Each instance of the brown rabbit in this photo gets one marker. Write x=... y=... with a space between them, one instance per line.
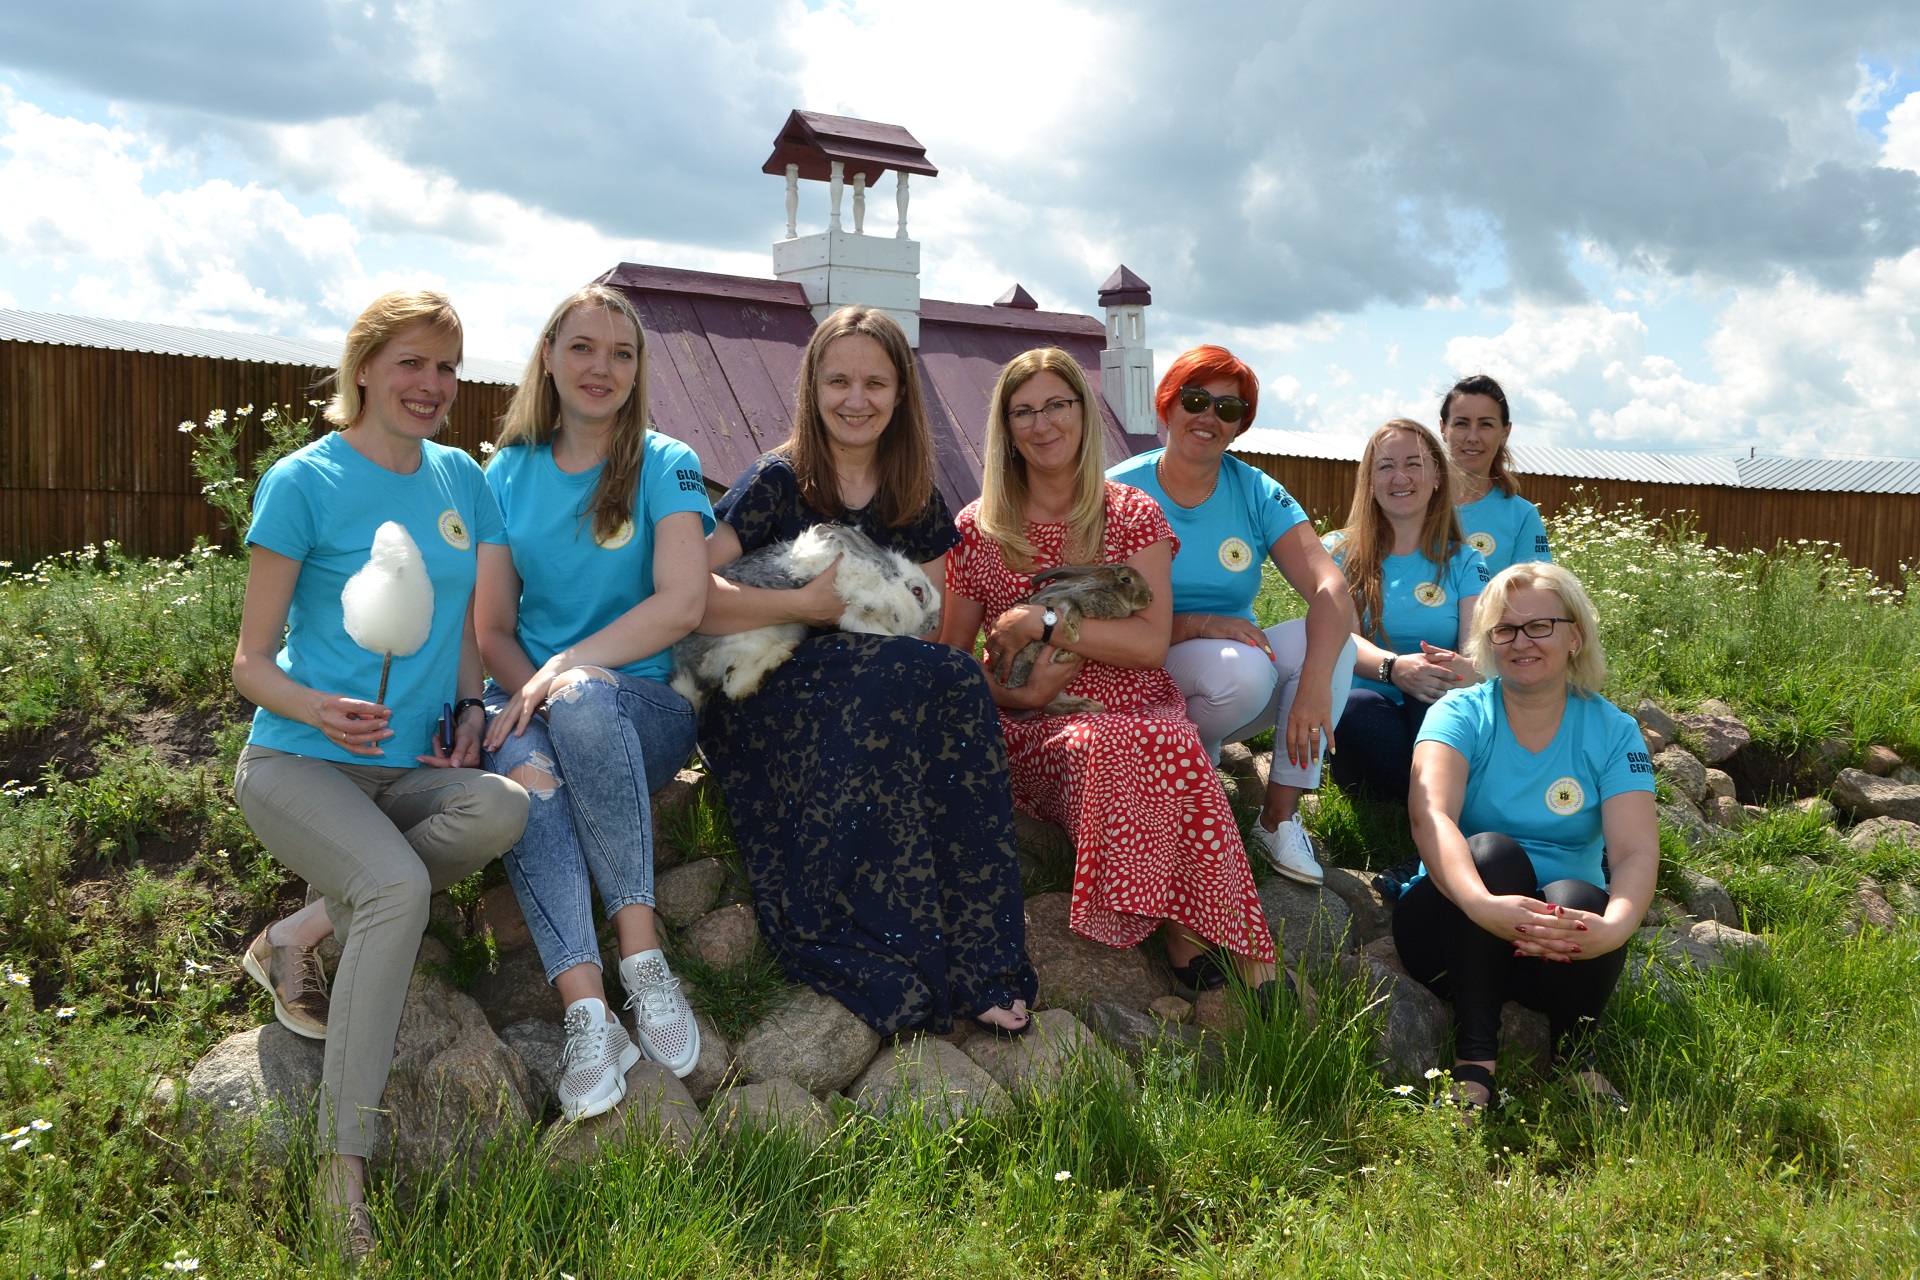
x=1076 y=592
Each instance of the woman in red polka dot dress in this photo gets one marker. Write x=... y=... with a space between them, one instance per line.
x=1154 y=838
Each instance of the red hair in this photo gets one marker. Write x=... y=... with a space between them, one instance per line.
x=1202 y=365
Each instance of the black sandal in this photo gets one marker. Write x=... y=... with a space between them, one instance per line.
x=1001 y=1032
x=1474 y=1073
x=1202 y=973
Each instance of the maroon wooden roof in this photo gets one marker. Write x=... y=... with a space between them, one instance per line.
x=1123 y=288
x=724 y=354
x=813 y=141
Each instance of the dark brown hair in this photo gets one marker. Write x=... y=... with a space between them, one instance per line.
x=1479 y=384
x=903 y=463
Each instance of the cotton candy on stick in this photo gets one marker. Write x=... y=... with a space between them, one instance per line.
x=389 y=603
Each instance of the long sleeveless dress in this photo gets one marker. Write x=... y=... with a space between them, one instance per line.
x=1153 y=835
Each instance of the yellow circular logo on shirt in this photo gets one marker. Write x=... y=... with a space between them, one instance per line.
x=618 y=538
x=1236 y=555
x=1566 y=797
x=1430 y=593
x=1481 y=542
x=454 y=530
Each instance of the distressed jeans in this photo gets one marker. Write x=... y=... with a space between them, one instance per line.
x=608 y=745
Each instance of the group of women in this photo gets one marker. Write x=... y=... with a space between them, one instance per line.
x=871 y=780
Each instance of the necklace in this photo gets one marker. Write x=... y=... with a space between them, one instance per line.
x=1160 y=473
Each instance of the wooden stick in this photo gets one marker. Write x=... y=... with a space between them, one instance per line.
x=384 y=668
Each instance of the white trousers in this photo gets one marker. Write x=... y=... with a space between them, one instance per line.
x=1233 y=692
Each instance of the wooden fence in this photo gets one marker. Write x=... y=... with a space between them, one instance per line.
x=90 y=447
x=1879 y=531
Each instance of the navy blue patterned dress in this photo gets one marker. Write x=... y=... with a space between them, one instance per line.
x=867 y=783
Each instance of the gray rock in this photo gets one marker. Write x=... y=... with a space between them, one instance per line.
x=1875 y=832
x=726 y=937
x=1724 y=937
x=1687 y=822
x=1076 y=971
x=657 y=1108
x=1819 y=806
x=1680 y=770
x=538 y=1044
x=444 y=912
x=266 y=1074
x=453 y=1084
x=1721 y=733
x=1903 y=898
x=1044 y=848
x=1371 y=918
x=1870 y=908
x=1525 y=1035
x=1871 y=797
x=1133 y=1034
x=1720 y=783
x=1706 y=898
x=517 y=990
x=1413 y=1021
x=1247 y=777
x=811 y=1038
x=1655 y=740
x=1650 y=716
x=1907 y=775
x=1172 y=1009
x=927 y=1075
x=1727 y=812
x=1037 y=1060
x=688 y=892
x=1882 y=760
x=1665 y=911
x=1386 y=951
x=1310 y=923
x=779 y=1103
x=499 y=914
x=1677 y=950
x=715 y=1065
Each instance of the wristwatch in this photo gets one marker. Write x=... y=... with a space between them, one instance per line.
x=1048 y=620
x=1386 y=668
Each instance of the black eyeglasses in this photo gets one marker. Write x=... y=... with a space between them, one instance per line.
x=1055 y=411
x=1536 y=629
x=1228 y=409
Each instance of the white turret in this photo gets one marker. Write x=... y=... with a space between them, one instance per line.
x=1126 y=366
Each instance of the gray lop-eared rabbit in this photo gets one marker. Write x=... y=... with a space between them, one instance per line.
x=886 y=594
x=1076 y=592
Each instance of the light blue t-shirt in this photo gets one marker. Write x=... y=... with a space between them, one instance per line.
x=320 y=505
x=572 y=585
x=1415 y=606
x=1223 y=540
x=1506 y=529
x=1549 y=802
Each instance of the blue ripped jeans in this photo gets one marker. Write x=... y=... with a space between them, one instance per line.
x=608 y=745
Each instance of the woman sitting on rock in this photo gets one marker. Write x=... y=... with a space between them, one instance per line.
x=1501 y=525
x=1238 y=680
x=1414 y=583
x=866 y=778
x=1532 y=806
x=603 y=570
x=366 y=801
x=1154 y=839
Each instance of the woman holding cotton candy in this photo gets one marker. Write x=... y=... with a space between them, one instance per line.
x=603 y=569
x=362 y=544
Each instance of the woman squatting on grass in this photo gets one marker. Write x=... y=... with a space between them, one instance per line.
x=1532 y=808
x=363 y=799
x=603 y=569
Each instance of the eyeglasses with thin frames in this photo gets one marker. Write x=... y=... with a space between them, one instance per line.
x=1056 y=411
x=1536 y=629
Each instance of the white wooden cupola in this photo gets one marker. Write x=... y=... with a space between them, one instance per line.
x=1126 y=365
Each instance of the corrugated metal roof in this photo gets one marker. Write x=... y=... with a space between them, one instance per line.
x=211 y=344
x=1831 y=475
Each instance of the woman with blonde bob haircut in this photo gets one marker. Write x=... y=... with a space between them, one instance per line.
x=1154 y=839
x=1532 y=808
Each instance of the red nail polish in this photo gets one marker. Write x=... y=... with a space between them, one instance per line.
x=1582 y=928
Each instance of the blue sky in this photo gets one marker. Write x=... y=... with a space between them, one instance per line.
x=1691 y=228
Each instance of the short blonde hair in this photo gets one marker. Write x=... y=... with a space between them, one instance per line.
x=1587 y=668
x=383 y=320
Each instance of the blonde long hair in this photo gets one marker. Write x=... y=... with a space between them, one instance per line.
x=533 y=415
x=1367 y=538
x=383 y=320
x=1003 y=481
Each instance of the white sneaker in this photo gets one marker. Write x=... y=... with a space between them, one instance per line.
x=594 y=1065
x=1289 y=850
x=662 y=1019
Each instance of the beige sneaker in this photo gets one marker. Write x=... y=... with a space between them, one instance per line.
x=293 y=977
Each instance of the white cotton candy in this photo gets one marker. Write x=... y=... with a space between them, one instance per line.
x=389 y=603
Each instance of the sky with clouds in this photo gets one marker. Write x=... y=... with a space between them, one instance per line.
x=1683 y=227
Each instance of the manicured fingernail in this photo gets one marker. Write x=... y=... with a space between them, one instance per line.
x=1519 y=928
x=1582 y=928
x=1576 y=950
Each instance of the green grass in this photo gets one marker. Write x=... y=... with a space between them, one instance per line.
x=1774 y=1100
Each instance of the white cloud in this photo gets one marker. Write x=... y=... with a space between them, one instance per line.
x=1902 y=150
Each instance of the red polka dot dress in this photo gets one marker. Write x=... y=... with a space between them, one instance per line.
x=1153 y=836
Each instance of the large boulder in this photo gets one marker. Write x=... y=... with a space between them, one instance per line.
x=1652 y=718
x=688 y=892
x=1687 y=821
x=1525 y=1035
x=1724 y=937
x=499 y=914
x=1882 y=761
x=1371 y=917
x=538 y=1044
x=657 y=1108
x=1878 y=831
x=1677 y=767
x=1675 y=951
x=1720 y=732
x=727 y=937
x=715 y=1065
x=778 y=1103
x=266 y=1074
x=1706 y=898
x=927 y=1075
x=1133 y=1034
x=453 y=1084
x=1869 y=908
x=516 y=990
x=1413 y=1022
x=811 y=1038
x=1076 y=971
x=1310 y=923
x=1036 y=1061
x=1871 y=797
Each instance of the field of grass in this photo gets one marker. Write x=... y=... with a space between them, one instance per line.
x=1774 y=1103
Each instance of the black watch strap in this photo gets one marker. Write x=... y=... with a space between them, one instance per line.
x=460 y=707
x=1048 y=619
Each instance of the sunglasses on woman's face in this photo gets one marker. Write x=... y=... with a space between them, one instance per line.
x=1228 y=409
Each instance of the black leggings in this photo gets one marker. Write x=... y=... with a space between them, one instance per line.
x=1461 y=962
x=1376 y=745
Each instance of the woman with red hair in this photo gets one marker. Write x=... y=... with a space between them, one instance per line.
x=1239 y=680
